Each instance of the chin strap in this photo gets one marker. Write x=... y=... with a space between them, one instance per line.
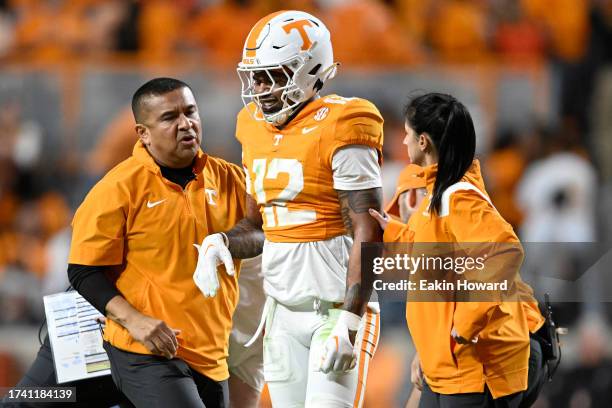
x=287 y=117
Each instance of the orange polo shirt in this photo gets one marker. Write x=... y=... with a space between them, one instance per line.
x=146 y=224
x=500 y=357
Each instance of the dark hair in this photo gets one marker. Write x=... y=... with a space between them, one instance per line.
x=156 y=86
x=450 y=128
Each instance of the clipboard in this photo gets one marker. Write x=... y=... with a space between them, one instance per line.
x=76 y=338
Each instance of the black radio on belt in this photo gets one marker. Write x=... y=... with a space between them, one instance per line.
x=548 y=337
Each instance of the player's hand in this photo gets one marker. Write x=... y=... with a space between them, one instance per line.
x=383 y=219
x=211 y=253
x=156 y=336
x=416 y=374
x=339 y=351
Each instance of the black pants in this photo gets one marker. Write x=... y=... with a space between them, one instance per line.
x=524 y=399
x=538 y=373
x=95 y=392
x=153 y=381
x=430 y=399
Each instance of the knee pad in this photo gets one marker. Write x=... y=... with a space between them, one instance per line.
x=277 y=358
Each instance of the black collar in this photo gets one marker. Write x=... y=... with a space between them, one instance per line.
x=178 y=176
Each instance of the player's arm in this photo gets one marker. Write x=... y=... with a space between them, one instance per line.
x=339 y=350
x=246 y=238
x=363 y=228
x=358 y=182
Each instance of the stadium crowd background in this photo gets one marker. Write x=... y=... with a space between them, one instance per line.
x=536 y=75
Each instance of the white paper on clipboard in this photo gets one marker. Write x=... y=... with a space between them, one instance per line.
x=76 y=340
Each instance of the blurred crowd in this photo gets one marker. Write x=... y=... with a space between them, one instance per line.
x=364 y=32
x=550 y=178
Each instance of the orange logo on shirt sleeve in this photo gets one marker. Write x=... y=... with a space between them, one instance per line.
x=299 y=26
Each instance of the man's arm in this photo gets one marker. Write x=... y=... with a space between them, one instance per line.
x=363 y=228
x=246 y=238
x=92 y=283
x=156 y=336
x=97 y=289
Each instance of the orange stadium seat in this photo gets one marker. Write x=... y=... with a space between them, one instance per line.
x=413 y=15
x=366 y=33
x=457 y=31
x=46 y=31
x=221 y=29
x=567 y=22
x=160 y=27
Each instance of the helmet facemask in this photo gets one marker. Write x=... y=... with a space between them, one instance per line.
x=292 y=96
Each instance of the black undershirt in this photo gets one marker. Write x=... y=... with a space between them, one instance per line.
x=92 y=284
x=90 y=281
x=178 y=176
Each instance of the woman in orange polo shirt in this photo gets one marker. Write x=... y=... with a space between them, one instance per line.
x=471 y=353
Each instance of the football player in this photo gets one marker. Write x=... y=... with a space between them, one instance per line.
x=313 y=170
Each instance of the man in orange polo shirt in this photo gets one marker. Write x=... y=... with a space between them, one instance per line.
x=132 y=255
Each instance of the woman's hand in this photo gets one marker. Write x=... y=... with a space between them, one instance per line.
x=461 y=340
x=383 y=219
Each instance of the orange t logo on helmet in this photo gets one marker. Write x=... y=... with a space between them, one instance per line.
x=299 y=26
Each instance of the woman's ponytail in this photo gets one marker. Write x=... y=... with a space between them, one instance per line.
x=451 y=130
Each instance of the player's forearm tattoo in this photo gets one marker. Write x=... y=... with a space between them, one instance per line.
x=345 y=212
x=245 y=240
x=358 y=202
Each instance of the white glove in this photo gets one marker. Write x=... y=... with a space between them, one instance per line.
x=211 y=253
x=338 y=352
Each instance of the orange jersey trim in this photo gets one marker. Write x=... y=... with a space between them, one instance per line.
x=251 y=42
x=367 y=353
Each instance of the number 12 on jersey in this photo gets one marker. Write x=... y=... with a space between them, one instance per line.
x=275 y=211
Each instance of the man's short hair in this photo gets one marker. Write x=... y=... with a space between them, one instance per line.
x=154 y=87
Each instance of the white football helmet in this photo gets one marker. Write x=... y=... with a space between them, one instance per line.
x=295 y=43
